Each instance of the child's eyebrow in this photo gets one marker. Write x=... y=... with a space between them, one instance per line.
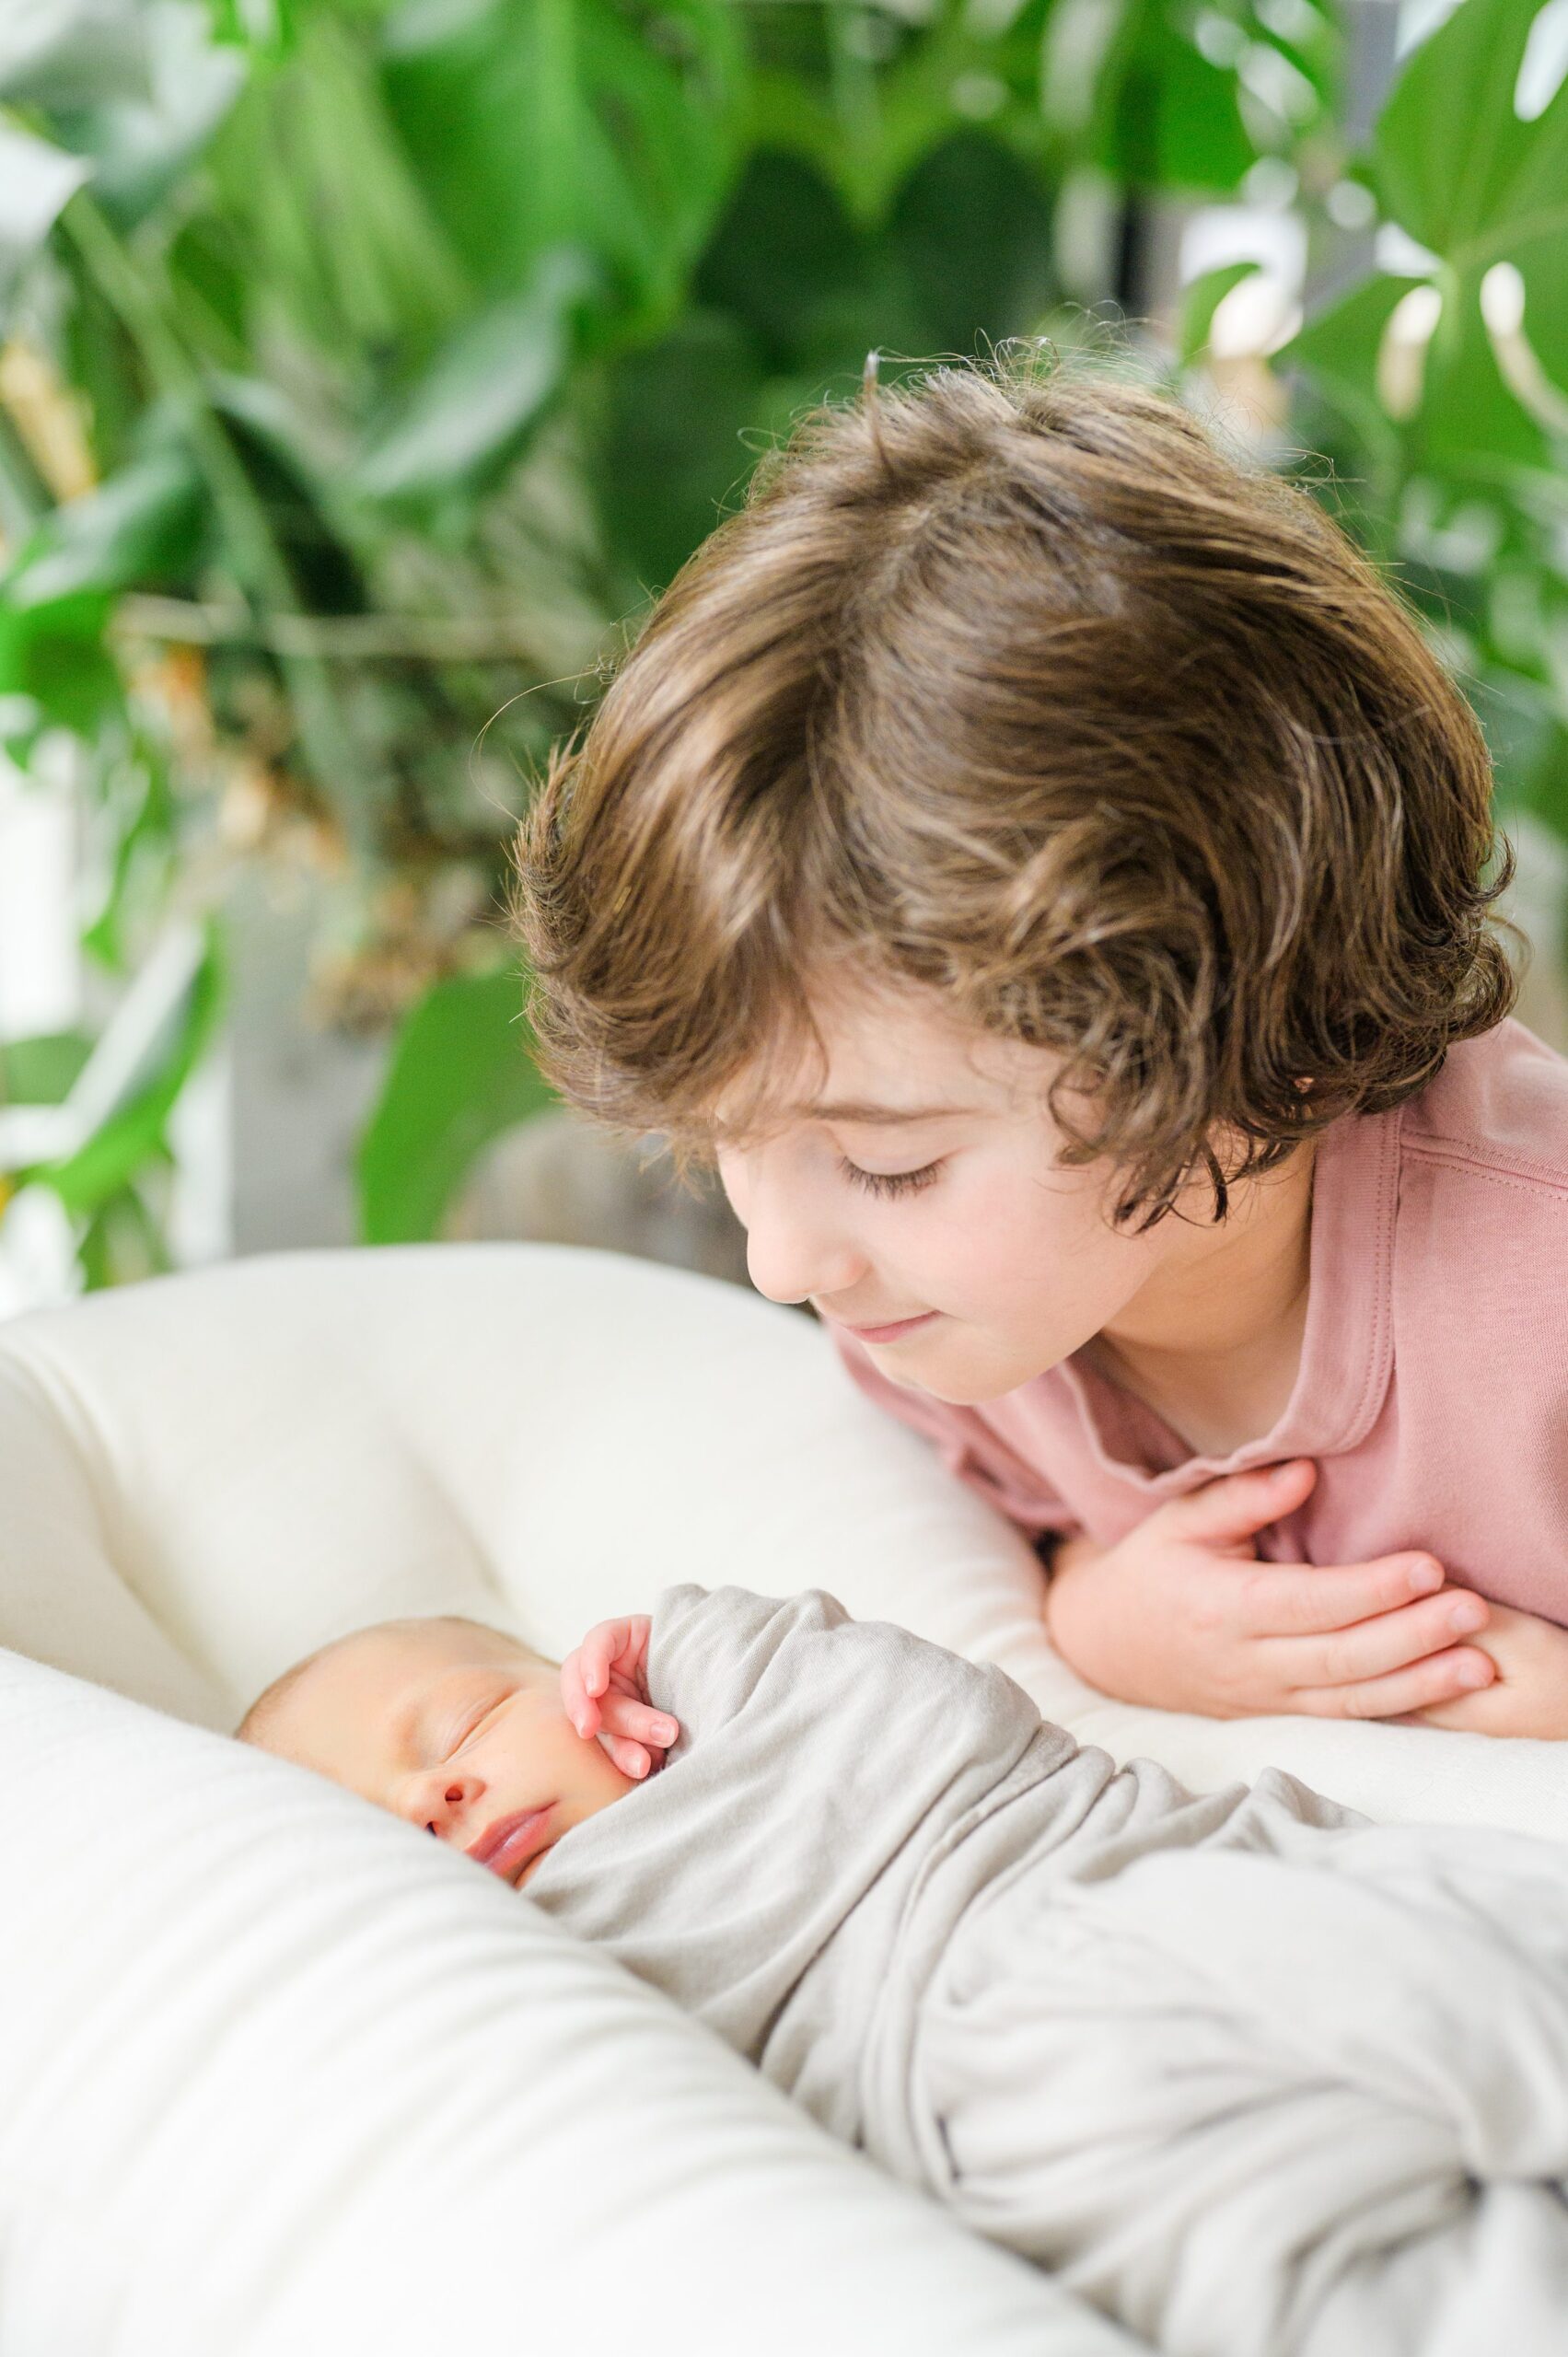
x=853 y=1109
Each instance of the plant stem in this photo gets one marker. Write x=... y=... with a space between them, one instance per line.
x=24 y=497
x=257 y=563
x=341 y=638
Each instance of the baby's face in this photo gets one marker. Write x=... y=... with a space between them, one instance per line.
x=455 y=1728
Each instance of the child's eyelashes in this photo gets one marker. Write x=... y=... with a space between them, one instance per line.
x=889 y=1183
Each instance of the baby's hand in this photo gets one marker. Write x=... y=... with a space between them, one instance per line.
x=604 y=1691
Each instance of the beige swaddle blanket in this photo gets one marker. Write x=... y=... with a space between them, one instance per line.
x=1251 y=2074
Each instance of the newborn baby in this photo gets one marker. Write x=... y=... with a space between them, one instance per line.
x=462 y=1729
x=1245 y=2070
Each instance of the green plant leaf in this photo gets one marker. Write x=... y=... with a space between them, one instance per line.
x=132 y=531
x=37 y=181
x=1203 y=140
x=40 y=1070
x=121 y=1242
x=387 y=286
x=268 y=28
x=1340 y=344
x=1516 y=719
x=474 y=405
x=56 y=656
x=72 y=52
x=971 y=227
x=1125 y=82
x=135 y=1133
x=668 y=451
x=1455 y=165
x=1469 y=420
x=140 y=140
x=1201 y=298
x=1546 y=787
x=534 y=123
x=460 y=1075
x=782 y=253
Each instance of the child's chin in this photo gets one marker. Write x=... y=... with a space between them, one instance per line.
x=958 y=1382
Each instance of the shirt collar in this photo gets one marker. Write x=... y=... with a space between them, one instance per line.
x=1347 y=1349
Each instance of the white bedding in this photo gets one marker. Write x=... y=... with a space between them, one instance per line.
x=275 y=2075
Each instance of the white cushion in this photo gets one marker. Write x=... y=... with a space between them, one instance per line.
x=276 y=2074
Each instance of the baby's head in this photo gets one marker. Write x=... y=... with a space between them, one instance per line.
x=449 y=1723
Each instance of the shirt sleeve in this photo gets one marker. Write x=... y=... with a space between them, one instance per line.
x=968 y=1446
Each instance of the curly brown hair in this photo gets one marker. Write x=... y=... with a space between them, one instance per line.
x=1013 y=685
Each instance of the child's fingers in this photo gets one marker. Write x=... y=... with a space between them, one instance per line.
x=1308 y=1599
x=1441 y=1678
x=1368 y=1649
x=1233 y=1509
x=627 y=1715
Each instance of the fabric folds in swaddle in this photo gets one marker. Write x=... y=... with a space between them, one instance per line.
x=1245 y=2069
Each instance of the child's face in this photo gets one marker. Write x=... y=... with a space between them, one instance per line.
x=454 y=1728
x=1008 y=1262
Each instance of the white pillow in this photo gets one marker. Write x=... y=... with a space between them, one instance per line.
x=277 y=2077
x=212 y=1474
x=281 y=2078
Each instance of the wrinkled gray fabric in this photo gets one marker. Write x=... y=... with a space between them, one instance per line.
x=1257 y=2077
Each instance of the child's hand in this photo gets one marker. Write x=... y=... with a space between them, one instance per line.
x=1180 y=1614
x=605 y=1691
x=1529 y=1695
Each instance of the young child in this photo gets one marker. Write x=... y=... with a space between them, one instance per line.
x=1218 y=2060
x=1041 y=863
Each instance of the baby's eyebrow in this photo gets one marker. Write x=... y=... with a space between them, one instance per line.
x=407 y=1722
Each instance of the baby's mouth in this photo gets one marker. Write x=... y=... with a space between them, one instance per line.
x=508 y=1845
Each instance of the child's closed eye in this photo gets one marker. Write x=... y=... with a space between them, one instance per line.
x=891 y=1182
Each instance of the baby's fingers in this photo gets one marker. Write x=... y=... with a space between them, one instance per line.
x=600 y=1650
x=576 y=1700
x=634 y=1759
x=1439 y=1678
x=624 y=1714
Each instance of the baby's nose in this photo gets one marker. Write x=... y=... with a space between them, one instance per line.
x=439 y=1806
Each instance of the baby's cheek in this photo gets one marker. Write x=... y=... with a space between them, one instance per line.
x=587 y=1771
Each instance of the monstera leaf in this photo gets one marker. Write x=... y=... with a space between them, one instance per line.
x=1460 y=168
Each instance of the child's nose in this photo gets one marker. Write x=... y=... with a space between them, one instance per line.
x=792 y=1254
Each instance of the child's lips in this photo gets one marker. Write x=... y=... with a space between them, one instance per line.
x=506 y=1846
x=891 y=1332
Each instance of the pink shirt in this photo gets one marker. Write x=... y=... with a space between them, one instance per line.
x=1433 y=1388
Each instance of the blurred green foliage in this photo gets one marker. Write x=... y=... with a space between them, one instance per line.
x=371 y=366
